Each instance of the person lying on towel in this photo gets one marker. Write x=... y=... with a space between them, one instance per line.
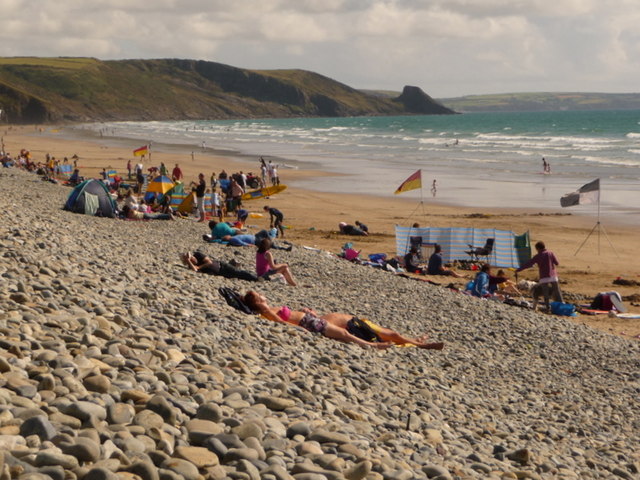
x=338 y=326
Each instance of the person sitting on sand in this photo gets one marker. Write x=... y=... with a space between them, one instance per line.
x=501 y=283
x=481 y=283
x=266 y=266
x=199 y=262
x=412 y=261
x=338 y=326
x=436 y=264
x=351 y=230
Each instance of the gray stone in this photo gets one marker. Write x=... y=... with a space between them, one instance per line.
x=51 y=457
x=162 y=407
x=100 y=473
x=185 y=469
x=39 y=426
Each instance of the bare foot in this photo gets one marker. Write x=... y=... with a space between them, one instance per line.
x=433 y=346
x=423 y=338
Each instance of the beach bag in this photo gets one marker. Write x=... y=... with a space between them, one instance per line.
x=377 y=257
x=362 y=329
x=565 y=309
x=234 y=299
x=351 y=253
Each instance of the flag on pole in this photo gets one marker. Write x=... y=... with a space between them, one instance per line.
x=411 y=183
x=141 y=152
x=586 y=194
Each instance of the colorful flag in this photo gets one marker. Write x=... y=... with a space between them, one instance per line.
x=141 y=152
x=586 y=194
x=411 y=183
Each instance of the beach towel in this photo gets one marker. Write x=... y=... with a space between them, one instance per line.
x=234 y=299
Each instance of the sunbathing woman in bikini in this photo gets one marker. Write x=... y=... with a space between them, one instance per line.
x=338 y=326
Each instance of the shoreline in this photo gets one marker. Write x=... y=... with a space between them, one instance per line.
x=313 y=216
x=307 y=171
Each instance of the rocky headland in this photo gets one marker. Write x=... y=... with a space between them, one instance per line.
x=116 y=362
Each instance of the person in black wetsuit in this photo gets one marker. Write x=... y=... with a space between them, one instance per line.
x=200 y=262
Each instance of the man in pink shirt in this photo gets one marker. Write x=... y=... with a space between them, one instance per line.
x=547 y=262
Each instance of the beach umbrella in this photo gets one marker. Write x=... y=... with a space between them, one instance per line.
x=160 y=185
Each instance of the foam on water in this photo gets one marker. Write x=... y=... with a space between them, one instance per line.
x=501 y=149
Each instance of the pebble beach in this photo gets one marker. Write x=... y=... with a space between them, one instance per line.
x=116 y=362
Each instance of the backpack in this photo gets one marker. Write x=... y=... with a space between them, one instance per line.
x=234 y=299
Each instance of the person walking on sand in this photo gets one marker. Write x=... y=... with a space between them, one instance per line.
x=176 y=174
x=547 y=263
x=129 y=167
x=276 y=218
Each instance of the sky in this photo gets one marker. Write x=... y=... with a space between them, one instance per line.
x=448 y=48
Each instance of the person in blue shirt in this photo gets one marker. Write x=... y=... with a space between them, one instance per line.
x=436 y=264
x=481 y=283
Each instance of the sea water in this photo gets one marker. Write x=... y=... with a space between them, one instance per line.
x=478 y=159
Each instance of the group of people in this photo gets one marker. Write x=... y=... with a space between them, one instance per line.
x=485 y=284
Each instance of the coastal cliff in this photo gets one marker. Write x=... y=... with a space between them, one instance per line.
x=40 y=90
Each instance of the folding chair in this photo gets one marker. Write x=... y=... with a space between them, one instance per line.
x=476 y=252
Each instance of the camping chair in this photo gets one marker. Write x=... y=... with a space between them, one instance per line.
x=476 y=252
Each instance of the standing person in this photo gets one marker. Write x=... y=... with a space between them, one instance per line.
x=200 y=189
x=139 y=180
x=544 y=165
x=270 y=172
x=275 y=179
x=547 y=262
x=436 y=264
x=163 y=169
x=275 y=219
x=236 y=192
x=434 y=188
x=266 y=266
x=176 y=174
x=263 y=173
x=214 y=181
x=129 y=167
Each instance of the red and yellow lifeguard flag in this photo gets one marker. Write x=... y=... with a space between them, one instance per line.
x=411 y=183
x=141 y=152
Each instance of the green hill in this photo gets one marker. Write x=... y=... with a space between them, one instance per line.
x=37 y=90
x=532 y=102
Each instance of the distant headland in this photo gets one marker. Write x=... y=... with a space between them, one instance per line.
x=66 y=89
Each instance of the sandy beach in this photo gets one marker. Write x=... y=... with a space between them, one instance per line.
x=313 y=216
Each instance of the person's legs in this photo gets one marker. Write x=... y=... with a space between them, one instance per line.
x=388 y=335
x=555 y=292
x=228 y=271
x=288 y=276
x=546 y=293
x=340 y=334
x=278 y=224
